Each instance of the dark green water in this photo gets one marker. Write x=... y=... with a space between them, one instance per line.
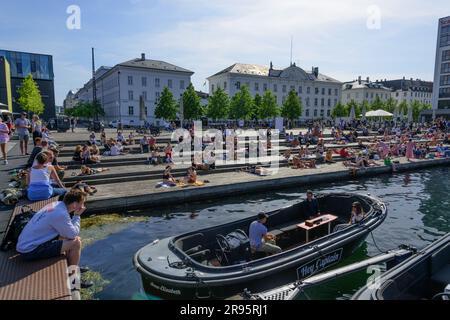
x=419 y=213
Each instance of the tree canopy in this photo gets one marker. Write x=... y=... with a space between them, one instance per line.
x=218 y=105
x=292 y=106
x=30 y=98
x=241 y=105
x=268 y=108
x=166 y=107
x=192 y=108
x=339 y=111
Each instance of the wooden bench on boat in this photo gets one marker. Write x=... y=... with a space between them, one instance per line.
x=38 y=280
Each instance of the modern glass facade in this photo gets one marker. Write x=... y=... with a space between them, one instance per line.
x=22 y=64
x=441 y=90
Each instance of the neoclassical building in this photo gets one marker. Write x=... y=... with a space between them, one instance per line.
x=319 y=93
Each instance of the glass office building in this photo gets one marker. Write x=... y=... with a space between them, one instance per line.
x=41 y=68
x=441 y=90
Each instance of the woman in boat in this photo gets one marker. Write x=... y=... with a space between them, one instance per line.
x=357 y=213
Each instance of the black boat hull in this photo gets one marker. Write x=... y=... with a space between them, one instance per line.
x=164 y=289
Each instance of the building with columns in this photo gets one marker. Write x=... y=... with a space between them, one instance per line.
x=119 y=87
x=319 y=93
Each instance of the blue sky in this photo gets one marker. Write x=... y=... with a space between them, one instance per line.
x=208 y=36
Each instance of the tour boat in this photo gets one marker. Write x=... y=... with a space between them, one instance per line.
x=218 y=262
x=425 y=275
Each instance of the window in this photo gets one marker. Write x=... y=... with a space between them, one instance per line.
x=158 y=95
x=446 y=55
x=308 y=90
x=19 y=67
x=265 y=87
x=182 y=87
x=212 y=88
x=256 y=86
x=367 y=95
x=445 y=40
x=329 y=92
x=322 y=113
x=445 y=67
x=225 y=85
x=300 y=90
x=130 y=110
x=284 y=99
x=444 y=93
x=130 y=80
x=146 y=111
x=316 y=102
x=169 y=83
x=336 y=92
x=157 y=83
x=284 y=88
x=322 y=102
x=292 y=88
x=316 y=91
x=307 y=113
x=323 y=91
x=445 y=81
x=329 y=102
x=275 y=88
x=307 y=101
x=335 y=102
x=238 y=85
x=144 y=95
x=315 y=113
x=130 y=95
x=144 y=81
x=33 y=66
x=328 y=113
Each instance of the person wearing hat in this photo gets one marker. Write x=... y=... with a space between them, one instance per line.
x=260 y=240
x=22 y=127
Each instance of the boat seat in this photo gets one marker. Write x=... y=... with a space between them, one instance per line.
x=276 y=232
x=290 y=228
x=201 y=254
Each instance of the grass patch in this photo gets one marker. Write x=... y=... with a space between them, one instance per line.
x=99 y=284
x=99 y=227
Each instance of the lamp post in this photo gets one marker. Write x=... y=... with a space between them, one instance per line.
x=119 y=102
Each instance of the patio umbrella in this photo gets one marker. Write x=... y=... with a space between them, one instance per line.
x=378 y=113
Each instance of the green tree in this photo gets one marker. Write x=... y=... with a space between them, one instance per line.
x=85 y=110
x=350 y=105
x=339 y=111
x=30 y=98
x=377 y=104
x=218 y=105
x=241 y=105
x=192 y=108
x=390 y=105
x=292 y=106
x=257 y=104
x=418 y=107
x=269 y=107
x=167 y=107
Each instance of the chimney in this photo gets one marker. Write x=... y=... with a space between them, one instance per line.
x=359 y=79
x=143 y=56
x=316 y=71
x=368 y=79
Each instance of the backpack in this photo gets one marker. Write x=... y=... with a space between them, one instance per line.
x=16 y=227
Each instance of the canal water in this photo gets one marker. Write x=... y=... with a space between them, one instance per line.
x=419 y=213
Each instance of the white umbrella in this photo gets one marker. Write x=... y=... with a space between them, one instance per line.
x=378 y=113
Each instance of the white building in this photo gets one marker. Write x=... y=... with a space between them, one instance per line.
x=410 y=90
x=120 y=87
x=70 y=101
x=319 y=93
x=441 y=89
x=364 y=90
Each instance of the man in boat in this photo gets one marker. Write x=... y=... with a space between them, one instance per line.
x=260 y=240
x=310 y=206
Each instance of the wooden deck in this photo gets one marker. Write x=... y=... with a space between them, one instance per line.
x=38 y=280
